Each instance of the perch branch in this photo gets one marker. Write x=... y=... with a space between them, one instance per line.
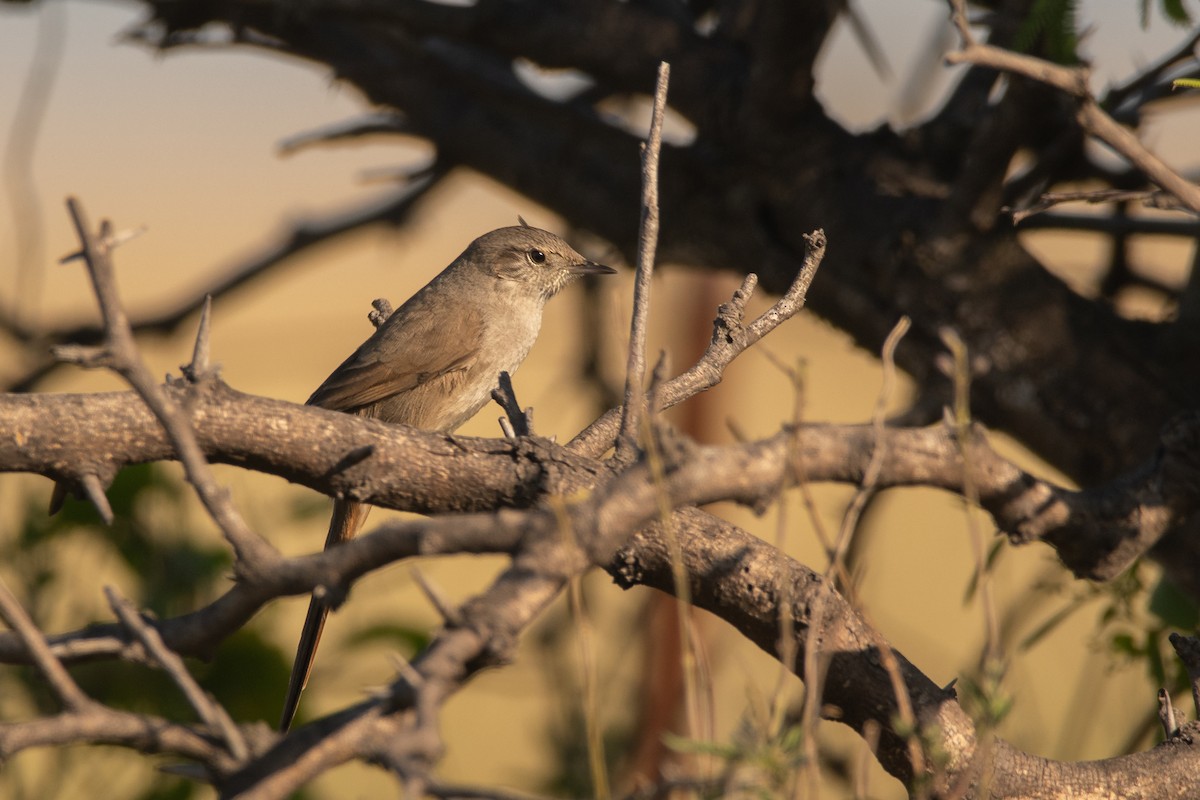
x=635 y=374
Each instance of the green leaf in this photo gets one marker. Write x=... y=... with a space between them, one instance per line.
x=411 y=637
x=1175 y=13
x=1175 y=608
x=1124 y=644
x=1049 y=30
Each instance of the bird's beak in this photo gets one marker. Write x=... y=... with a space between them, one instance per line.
x=591 y=268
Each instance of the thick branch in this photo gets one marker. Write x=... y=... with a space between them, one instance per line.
x=1097 y=532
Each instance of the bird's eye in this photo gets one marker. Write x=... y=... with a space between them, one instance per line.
x=537 y=256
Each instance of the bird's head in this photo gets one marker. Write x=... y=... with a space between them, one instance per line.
x=533 y=257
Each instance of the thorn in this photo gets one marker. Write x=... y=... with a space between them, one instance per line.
x=438 y=599
x=507 y=428
x=199 y=366
x=521 y=220
x=108 y=240
x=95 y=493
x=58 y=497
x=407 y=670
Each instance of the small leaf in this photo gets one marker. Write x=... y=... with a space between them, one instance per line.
x=1175 y=13
x=1175 y=608
x=411 y=637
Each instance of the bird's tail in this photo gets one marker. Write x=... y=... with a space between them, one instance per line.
x=348 y=517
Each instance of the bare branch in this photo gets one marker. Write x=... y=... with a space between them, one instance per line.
x=1097 y=531
x=210 y=712
x=252 y=551
x=729 y=340
x=1074 y=82
x=867 y=488
x=381 y=122
x=1051 y=199
x=39 y=652
x=635 y=373
x=516 y=421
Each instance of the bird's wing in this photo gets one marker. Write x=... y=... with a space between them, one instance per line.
x=410 y=349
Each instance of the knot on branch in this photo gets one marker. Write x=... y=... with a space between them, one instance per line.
x=1185 y=735
x=626 y=568
x=381 y=310
x=727 y=326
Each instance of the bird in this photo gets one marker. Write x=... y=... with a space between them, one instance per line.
x=432 y=364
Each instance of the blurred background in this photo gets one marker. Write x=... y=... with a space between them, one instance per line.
x=188 y=146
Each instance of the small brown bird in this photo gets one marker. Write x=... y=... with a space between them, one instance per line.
x=434 y=362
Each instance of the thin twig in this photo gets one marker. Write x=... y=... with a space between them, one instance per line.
x=1093 y=119
x=1050 y=199
x=516 y=421
x=683 y=590
x=1166 y=714
x=635 y=375
x=372 y=124
x=731 y=337
x=211 y=713
x=437 y=598
x=56 y=674
x=866 y=489
x=970 y=492
x=251 y=550
x=590 y=705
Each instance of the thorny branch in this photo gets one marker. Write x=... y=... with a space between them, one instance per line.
x=119 y=352
x=618 y=506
